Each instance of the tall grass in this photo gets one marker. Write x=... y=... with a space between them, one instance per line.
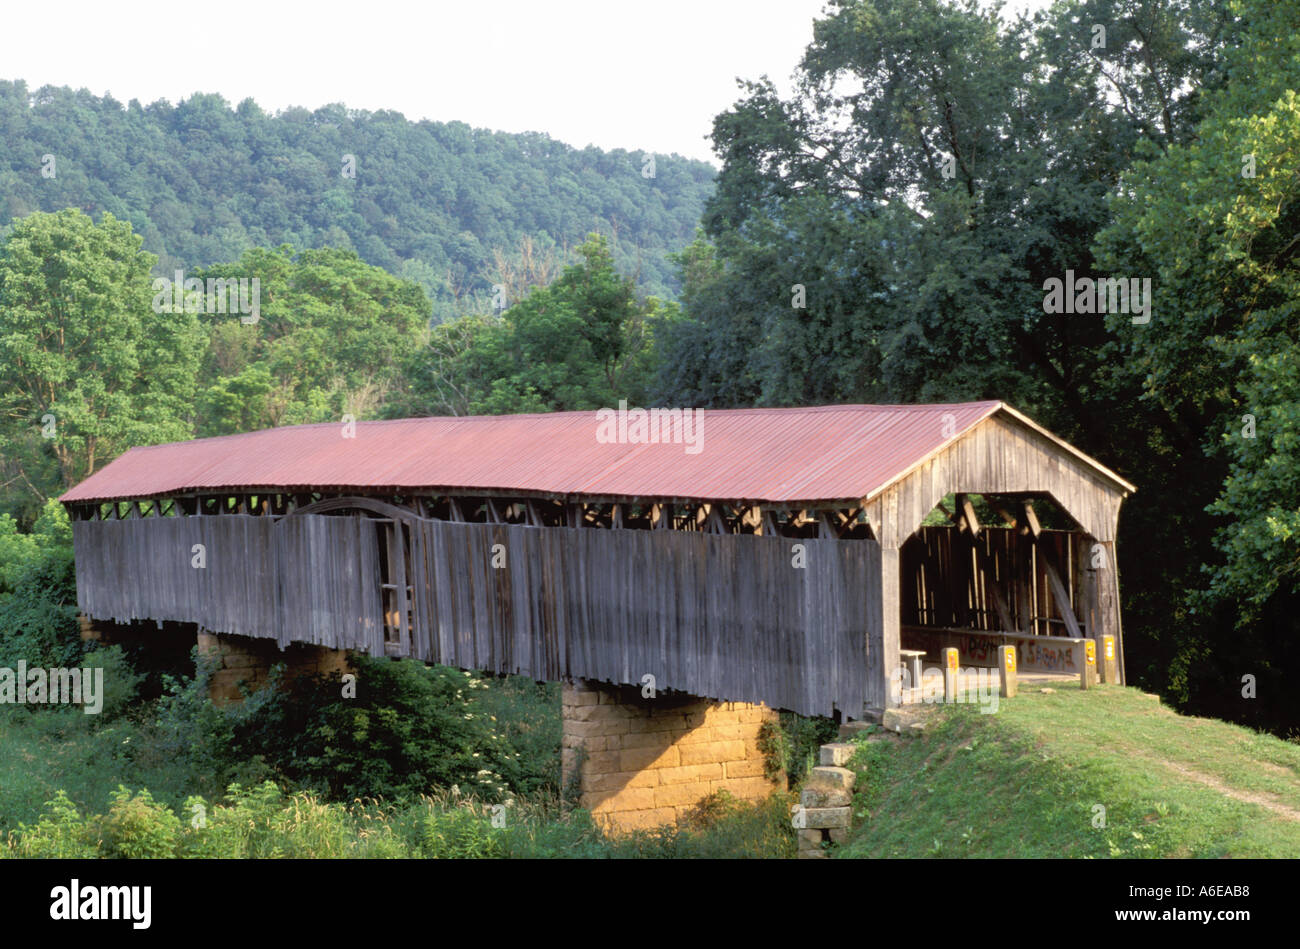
x=265 y=822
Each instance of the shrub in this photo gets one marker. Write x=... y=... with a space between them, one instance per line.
x=410 y=728
x=38 y=612
x=60 y=834
x=460 y=833
x=121 y=681
x=803 y=737
x=138 y=827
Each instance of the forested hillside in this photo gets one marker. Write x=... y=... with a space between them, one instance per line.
x=432 y=202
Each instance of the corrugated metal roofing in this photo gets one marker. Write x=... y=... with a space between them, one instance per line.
x=827 y=453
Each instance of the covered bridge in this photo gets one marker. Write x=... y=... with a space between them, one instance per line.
x=780 y=558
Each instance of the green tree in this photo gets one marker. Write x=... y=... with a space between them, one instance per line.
x=86 y=365
x=883 y=233
x=1217 y=369
x=582 y=342
x=329 y=339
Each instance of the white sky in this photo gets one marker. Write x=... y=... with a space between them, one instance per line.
x=645 y=76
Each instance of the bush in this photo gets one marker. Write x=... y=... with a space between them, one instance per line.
x=38 y=611
x=60 y=834
x=803 y=736
x=527 y=716
x=409 y=729
x=138 y=827
x=459 y=834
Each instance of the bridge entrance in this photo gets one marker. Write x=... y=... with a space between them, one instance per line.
x=987 y=571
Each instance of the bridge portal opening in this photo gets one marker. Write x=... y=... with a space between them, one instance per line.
x=985 y=571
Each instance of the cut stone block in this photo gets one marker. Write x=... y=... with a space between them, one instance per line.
x=834 y=779
x=828 y=817
x=824 y=797
x=836 y=754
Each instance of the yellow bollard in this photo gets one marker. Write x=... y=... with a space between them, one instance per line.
x=1007 y=670
x=1087 y=677
x=1109 y=662
x=950 y=673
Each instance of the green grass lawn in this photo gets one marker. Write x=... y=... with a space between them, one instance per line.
x=1027 y=780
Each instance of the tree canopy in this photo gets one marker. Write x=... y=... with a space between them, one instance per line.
x=87 y=367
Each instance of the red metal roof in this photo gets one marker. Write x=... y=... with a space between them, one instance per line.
x=828 y=453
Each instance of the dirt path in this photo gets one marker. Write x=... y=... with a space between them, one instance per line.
x=1248 y=797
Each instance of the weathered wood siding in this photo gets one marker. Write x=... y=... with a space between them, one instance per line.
x=308 y=579
x=998 y=456
x=945 y=587
x=719 y=616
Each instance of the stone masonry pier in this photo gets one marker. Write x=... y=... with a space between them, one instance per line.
x=638 y=762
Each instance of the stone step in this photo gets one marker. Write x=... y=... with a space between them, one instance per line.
x=827 y=817
x=825 y=797
x=834 y=779
x=836 y=754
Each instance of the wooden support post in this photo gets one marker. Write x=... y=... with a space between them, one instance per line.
x=991 y=584
x=1110 y=622
x=889 y=620
x=1023 y=558
x=1011 y=520
x=1059 y=591
x=1031 y=519
x=968 y=512
x=1007 y=671
x=1061 y=594
x=1090 y=572
x=713 y=521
